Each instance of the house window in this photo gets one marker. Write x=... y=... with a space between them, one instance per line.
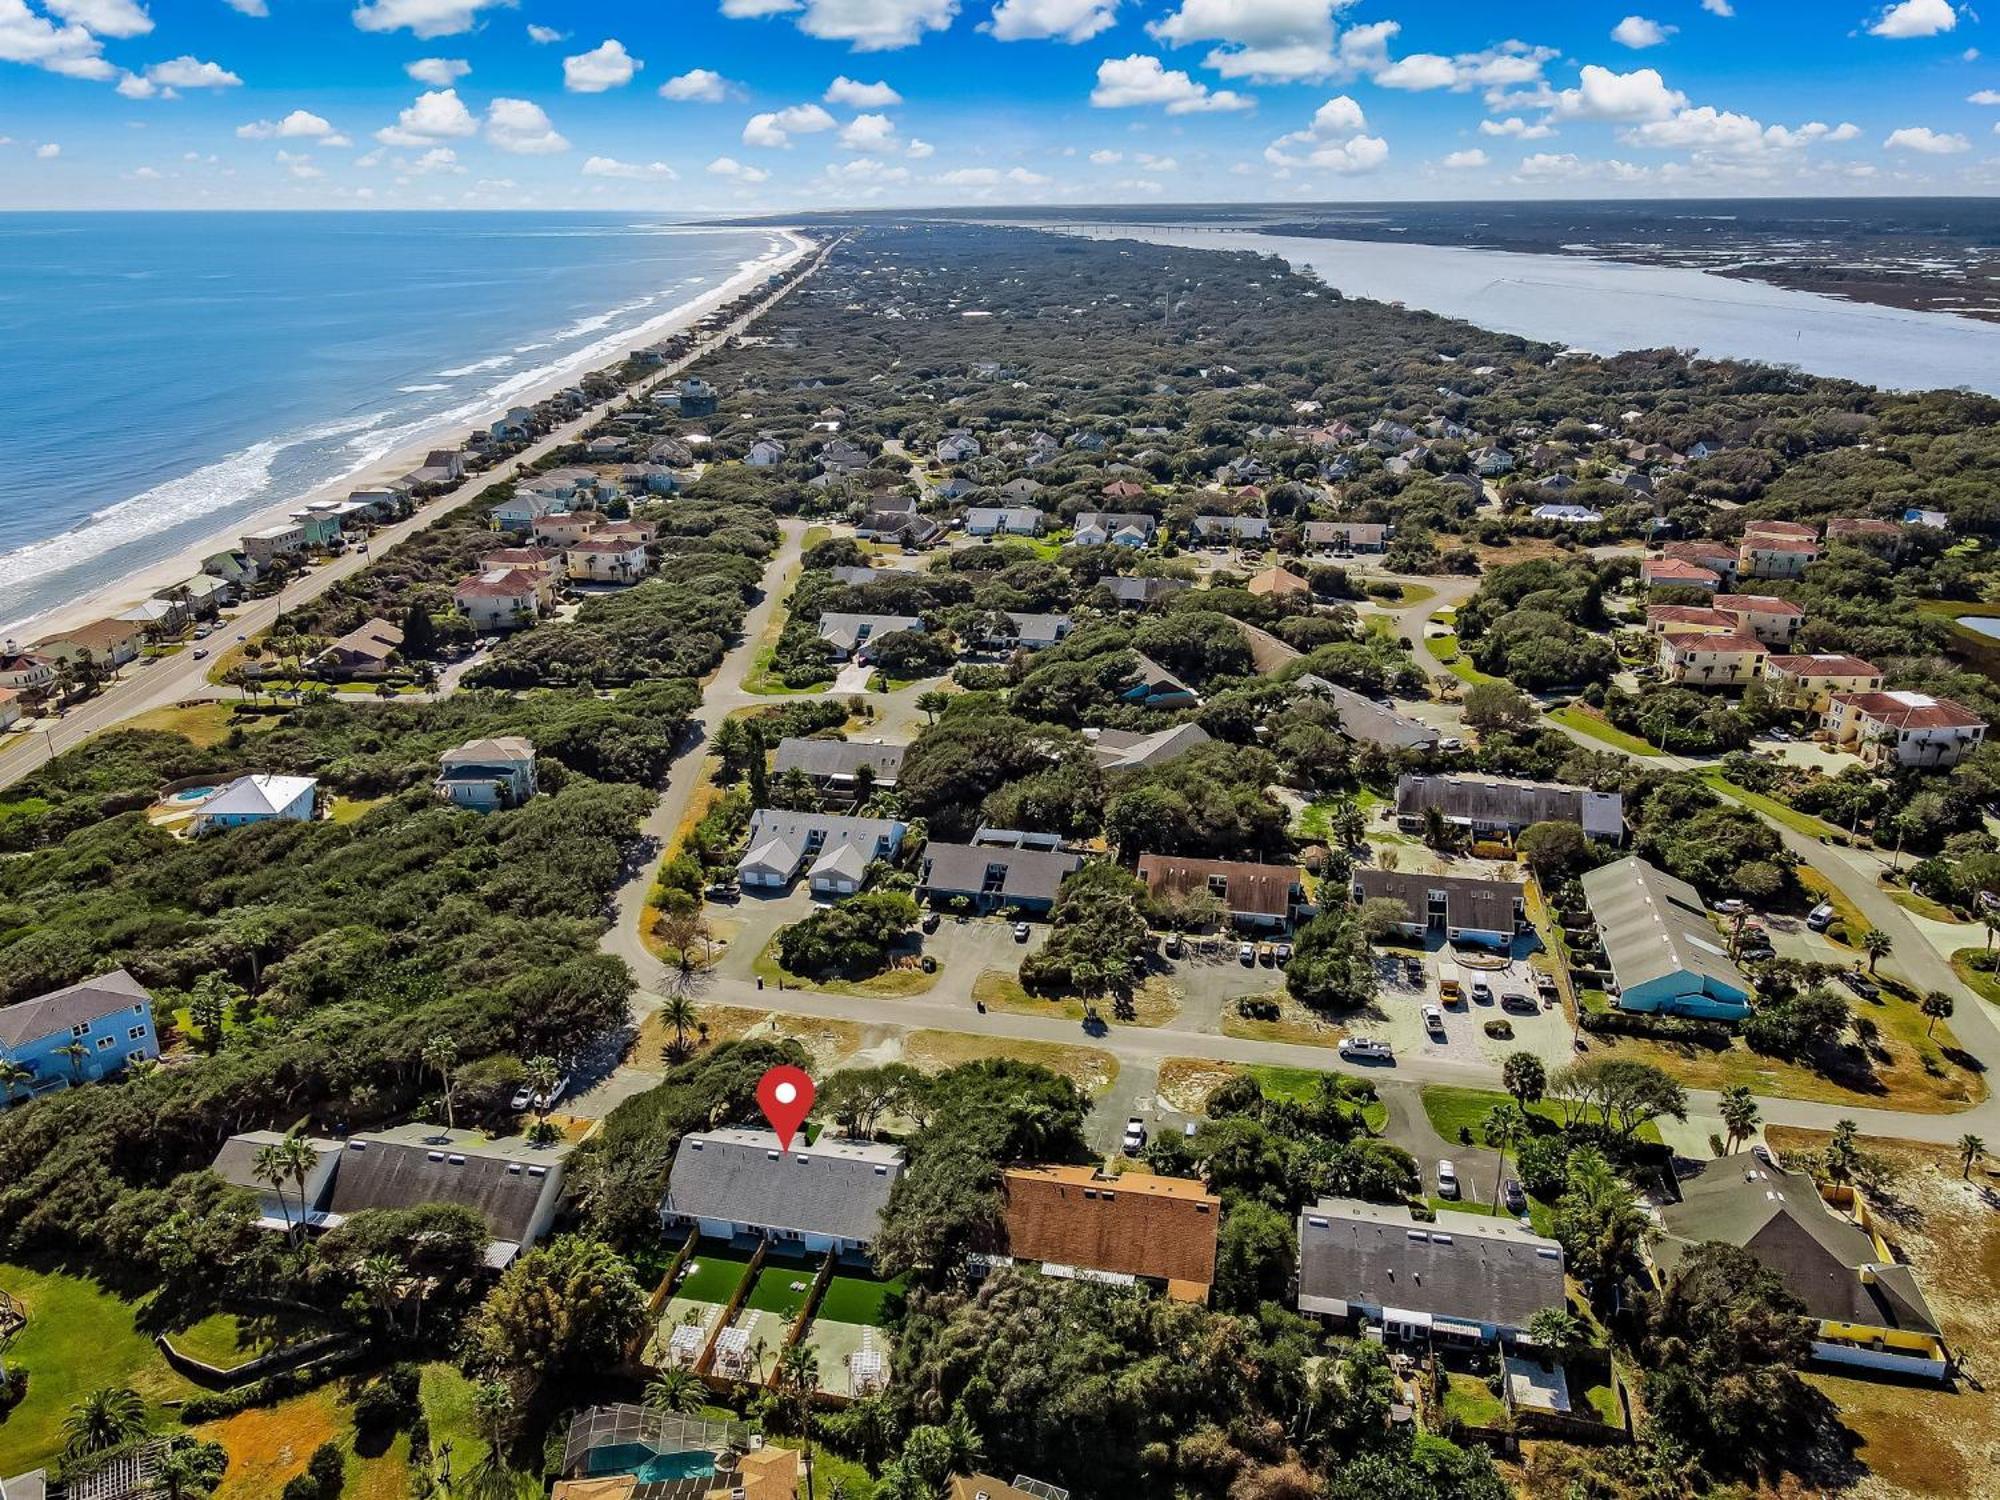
x=135 y=1058
x=135 y=1033
x=81 y=1030
x=105 y=1041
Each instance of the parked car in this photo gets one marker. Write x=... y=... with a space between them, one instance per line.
x=931 y=920
x=1512 y=1195
x=1482 y=992
x=1135 y=1135
x=1519 y=1003
x=1020 y=932
x=1284 y=953
x=200 y=653
x=1365 y=1046
x=1860 y=983
x=1172 y=947
x=1820 y=917
x=1449 y=990
x=525 y=1097
x=1266 y=954
x=1545 y=983
x=1247 y=953
x=1729 y=906
x=1447 y=1180
x=1434 y=1020
x=1451 y=744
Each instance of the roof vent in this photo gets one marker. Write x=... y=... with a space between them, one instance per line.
x=513 y=1169
x=538 y=1171
x=770 y=1156
x=457 y=1160
x=357 y=1145
x=435 y=1155
x=1315 y=1221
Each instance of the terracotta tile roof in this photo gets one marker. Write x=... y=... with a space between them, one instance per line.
x=1265 y=890
x=1688 y=614
x=1700 y=553
x=1780 y=531
x=1849 y=526
x=1761 y=604
x=1673 y=570
x=765 y=1474
x=1911 y=710
x=1822 y=666
x=1734 y=642
x=498 y=583
x=1136 y=1225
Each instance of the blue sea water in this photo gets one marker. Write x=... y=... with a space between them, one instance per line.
x=163 y=375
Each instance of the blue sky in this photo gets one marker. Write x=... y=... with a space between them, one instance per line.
x=696 y=105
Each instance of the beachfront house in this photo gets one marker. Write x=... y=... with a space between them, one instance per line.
x=698 y=397
x=368 y=650
x=512 y=1184
x=1082 y=1223
x=565 y=528
x=1345 y=538
x=849 y=634
x=1868 y=1308
x=607 y=559
x=320 y=529
x=841 y=766
x=992 y=877
x=1809 y=682
x=10 y=715
x=835 y=852
x=77 y=1034
x=28 y=673
x=273 y=542
x=233 y=568
x=1458 y=1278
x=1458 y=908
x=109 y=643
x=257 y=798
x=1903 y=728
x=1665 y=954
x=1776 y=549
x=1265 y=897
x=521 y=510
x=500 y=598
x=486 y=774
x=827 y=1195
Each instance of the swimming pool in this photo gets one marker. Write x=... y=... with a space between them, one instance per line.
x=189 y=795
x=647 y=1466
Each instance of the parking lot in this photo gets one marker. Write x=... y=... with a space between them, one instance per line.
x=1509 y=994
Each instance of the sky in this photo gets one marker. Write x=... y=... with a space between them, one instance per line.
x=773 y=105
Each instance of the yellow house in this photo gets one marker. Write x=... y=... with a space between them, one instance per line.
x=1870 y=1310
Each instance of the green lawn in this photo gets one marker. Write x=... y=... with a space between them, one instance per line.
x=1300 y=1084
x=228 y=1339
x=858 y=1299
x=775 y=1291
x=1770 y=807
x=1986 y=986
x=889 y=984
x=1467 y=1400
x=1585 y=722
x=717 y=1270
x=1449 y=1107
x=1603 y=1400
x=81 y=1336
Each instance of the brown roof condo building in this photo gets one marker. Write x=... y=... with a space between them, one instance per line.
x=1462 y=909
x=1078 y=1220
x=1254 y=895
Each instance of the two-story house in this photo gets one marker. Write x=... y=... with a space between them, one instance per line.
x=79 y=1033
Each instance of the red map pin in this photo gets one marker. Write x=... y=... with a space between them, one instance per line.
x=785 y=1094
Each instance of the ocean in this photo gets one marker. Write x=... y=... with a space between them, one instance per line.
x=1608 y=306
x=163 y=375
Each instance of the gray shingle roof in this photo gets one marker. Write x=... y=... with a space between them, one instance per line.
x=1122 y=750
x=823 y=758
x=1653 y=925
x=1481 y=905
x=1028 y=874
x=1515 y=804
x=1779 y=1218
x=1368 y=721
x=505 y=1189
x=1464 y=1266
x=835 y=1187
x=74 y=1005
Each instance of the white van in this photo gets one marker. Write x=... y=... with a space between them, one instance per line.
x=1820 y=917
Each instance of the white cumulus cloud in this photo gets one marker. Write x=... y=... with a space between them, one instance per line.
x=858 y=95
x=698 y=86
x=1518 y=128
x=1138 y=80
x=865 y=25
x=438 y=72
x=192 y=73
x=610 y=166
x=26 y=37
x=437 y=115
x=1051 y=20
x=120 y=18
x=1638 y=32
x=775 y=128
x=917 y=150
x=522 y=128
x=1718 y=7
x=300 y=124
x=546 y=36
x=605 y=66
x=1336 y=141
x=425 y=18
x=1278 y=40
x=1915 y=18
x=1602 y=94
x=868 y=133
x=1927 y=142
x=48 y=151
x=729 y=166
x=1460 y=161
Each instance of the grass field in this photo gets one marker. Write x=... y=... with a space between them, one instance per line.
x=717 y=1270
x=857 y=1299
x=1090 y=1068
x=1468 y=1401
x=81 y=1336
x=775 y=1291
x=1450 y=1108
x=206 y=724
x=1770 y=807
x=1154 y=1003
x=1583 y=721
x=888 y=985
x=228 y=1339
x=353 y=809
x=1986 y=986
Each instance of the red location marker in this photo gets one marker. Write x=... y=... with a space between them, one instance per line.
x=786 y=1096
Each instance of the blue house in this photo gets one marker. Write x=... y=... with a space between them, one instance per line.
x=111 y=1016
x=698 y=397
x=1665 y=953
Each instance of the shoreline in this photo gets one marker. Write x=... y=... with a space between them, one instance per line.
x=136 y=587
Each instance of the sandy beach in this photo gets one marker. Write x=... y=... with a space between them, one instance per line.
x=144 y=583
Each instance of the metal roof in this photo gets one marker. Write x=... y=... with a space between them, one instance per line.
x=1654 y=925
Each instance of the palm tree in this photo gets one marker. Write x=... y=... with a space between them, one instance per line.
x=182 y=1472
x=439 y=1054
x=541 y=1074
x=676 y=1390
x=75 y=1052
x=1739 y=1113
x=1876 y=944
x=1970 y=1149
x=380 y=1276
x=1505 y=1127
x=1842 y=1152
x=13 y=1075
x=269 y=1165
x=298 y=1159
x=105 y=1419
x=1557 y=1330
x=1937 y=1005
x=798 y=1378
x=679 y=1013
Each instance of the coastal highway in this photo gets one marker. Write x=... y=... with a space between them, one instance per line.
x=159 y=681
